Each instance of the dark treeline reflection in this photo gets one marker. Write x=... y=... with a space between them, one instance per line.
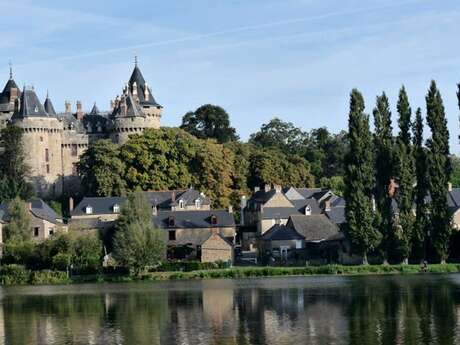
x=327 y=310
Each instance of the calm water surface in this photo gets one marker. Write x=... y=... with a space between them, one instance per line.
x=421 y=309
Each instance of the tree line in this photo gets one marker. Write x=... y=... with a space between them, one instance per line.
x=396 y=187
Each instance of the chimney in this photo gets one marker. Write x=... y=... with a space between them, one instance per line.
x=230 y=209
x=68 y=107
x=267 y=187
x=449 y=186
x=173 y=196
x=79 y=111
x=29 y=206
x=243 y=203
x=277 y=188
x=71 y=204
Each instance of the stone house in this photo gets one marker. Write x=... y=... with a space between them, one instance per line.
x=45 y=222
x=54 y=142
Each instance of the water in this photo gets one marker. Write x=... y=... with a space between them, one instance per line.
x=419 y=309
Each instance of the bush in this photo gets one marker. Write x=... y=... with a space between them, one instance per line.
x=14 y=275
x=188 y=266
x=48 y=277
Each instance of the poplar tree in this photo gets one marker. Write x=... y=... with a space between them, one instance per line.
x=421 y=223
x=439 y=170
x=404 y=173
x=359 y=180
x=383 y=145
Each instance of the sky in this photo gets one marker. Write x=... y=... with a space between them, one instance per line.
x=294 y=59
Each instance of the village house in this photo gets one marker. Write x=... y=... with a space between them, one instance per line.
x=192 y=229
x=45 y=222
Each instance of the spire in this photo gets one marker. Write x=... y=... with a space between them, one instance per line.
x=135 y=60
x=95 y=110
x=49 y=108
x=11 y=70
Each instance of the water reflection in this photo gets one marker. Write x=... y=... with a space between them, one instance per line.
x=420 y=309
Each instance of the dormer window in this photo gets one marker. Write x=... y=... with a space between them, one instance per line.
x=36 y=109
x=171 y=221
x=197 y=203
x=88 y=210
x=308 y=210
x=116 y=208
x=181 y=204
x=213 y=220
x=154 y=210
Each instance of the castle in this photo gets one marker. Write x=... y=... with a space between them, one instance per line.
x=53 y=142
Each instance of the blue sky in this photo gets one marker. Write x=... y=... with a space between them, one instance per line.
x=295 y=59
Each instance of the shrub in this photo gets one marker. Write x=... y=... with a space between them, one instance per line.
x=48 y=277
x=13 y=275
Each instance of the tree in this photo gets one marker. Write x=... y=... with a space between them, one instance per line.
x=209 y=122
x=18 y=227
x=101 y=170
x=404 y=174
x=335 y=183
x=383 y=145
x=87 y=253
x=359 y=180
x=281 y=135
x=137 y=243
x=14 y=171
x=421 y=223
x=439 y=170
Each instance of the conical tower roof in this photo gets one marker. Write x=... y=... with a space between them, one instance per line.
x=49 y=108
x=95 y=110
x=30 y=106
x=137 y=81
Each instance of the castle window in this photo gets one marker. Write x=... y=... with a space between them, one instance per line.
x=74 y=150
x=47 y=168
x=116 y=208
x=47 y=155
x=88 y=210
x=172 y=235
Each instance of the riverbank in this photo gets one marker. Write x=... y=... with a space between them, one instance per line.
x=15 y=276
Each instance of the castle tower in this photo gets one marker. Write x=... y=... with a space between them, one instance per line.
x=42 y=139
x=135 y=110
x=8 y=100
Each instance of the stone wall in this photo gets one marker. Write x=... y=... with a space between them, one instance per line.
x=215 y=248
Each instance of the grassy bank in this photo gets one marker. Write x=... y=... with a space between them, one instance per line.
x=17 y=276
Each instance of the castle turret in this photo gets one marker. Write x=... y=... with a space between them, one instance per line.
x=9 y=98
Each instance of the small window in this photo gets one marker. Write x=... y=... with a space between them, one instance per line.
x=36 y=231
x=51 y=231
x=213 y=220
x=88 y=210
x=181 y=204
x=116 y=208
x=197 y=203
x=172 y=235
x=47 y=155
x=47 y=168
x=41 y=139
x=171 y=222
x=74 y=150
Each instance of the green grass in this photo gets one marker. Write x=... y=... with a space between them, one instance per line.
x=15 y=276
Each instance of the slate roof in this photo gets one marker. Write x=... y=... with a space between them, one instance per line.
x=30 y=106
x=300 y=205
x=94 y=110
x=307 y=193
x=100 y=205
x=49 y=108
x=138 y=78
x=336 y=215
x=69 y=121
x=39 y=209
x=130 y=109
x=280 y=232
x=279 y=212
x=314 y=228
x=189 y=196
x=194 y=219
x=6 y=94
x=453 y=199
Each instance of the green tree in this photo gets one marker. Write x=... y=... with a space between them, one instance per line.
x=209 y=122
x=439 y=170
x=359 y=180
x=334 y=183
x=18 y=227
x=383 y=145
x=404 y=173
x=281 y=135
x=87 y=252
x=101 y=170
x=455 y=177
x=137 y=243
x=421 y=189
x=14 y=171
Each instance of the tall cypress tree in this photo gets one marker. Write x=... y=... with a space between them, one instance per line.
x=439 y=170
x=404 y=174
x=419 y=231
x=359 y=180
x=383 y=145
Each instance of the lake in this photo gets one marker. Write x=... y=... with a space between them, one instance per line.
x=415 y=309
